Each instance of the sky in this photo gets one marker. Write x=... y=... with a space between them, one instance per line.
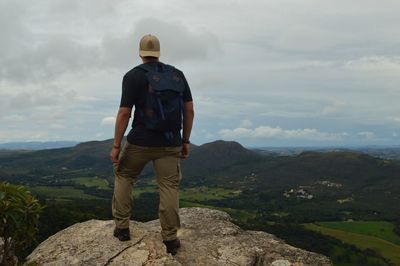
x=263 y=73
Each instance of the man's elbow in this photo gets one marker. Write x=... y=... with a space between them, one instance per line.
x=189 y=113
x=188 y=109
x=124 y=113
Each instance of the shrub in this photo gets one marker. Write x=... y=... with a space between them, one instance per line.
x=19 y=215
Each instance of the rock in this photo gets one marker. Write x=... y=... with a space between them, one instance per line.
x=207 y=236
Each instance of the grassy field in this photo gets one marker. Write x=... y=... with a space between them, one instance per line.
x=206 y=193
x=91 y=182
x=60 y=192
x=380 y=229
x=189 y=197
x=384 y=247
x=198 y=194
x=137 y=190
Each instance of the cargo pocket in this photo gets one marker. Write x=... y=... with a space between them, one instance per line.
x=121 y=158
x=178 y=167
x=115 y=167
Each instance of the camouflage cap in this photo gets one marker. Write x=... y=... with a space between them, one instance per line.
x=149 y=46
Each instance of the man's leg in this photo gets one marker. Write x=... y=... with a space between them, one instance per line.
x=132 y=161
x=168 y=172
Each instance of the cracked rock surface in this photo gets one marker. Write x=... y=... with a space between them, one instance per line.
x=207 y=237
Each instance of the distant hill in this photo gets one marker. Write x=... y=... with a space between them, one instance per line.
x=36 y=145
x=86 y=158
x=363 y=181
x=217 y=156
x=219 y=159
x=93 y=157
x=392 y=152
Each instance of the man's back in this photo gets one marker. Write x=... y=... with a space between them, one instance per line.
x=135 y=88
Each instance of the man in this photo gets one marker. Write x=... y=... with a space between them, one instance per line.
x=145 y=144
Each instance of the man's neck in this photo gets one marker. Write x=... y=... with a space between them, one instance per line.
x=149 y=60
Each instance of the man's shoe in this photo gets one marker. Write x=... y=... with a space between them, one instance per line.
x=122 y=234
x=172 y=245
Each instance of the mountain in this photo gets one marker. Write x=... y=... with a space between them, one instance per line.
x=320 y=182
x=36 y=145
x=86 y=158
x=386 y=152
x=93 y=157
x=217 y=156
x=220 y=162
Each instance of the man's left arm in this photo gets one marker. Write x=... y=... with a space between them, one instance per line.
x=188 y=116
x=121 y=123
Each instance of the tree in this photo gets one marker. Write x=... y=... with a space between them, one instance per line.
x=19 y=215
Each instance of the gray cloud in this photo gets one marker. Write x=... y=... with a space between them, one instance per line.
x=178 y=42
x=12 y=27
x=328 y=66
x=39 y=98
x=27 y=57
x=47 y=61
x=267 y=132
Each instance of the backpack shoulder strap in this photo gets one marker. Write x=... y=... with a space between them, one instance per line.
x=145 y=67
x=164 y=68
x=168 y=68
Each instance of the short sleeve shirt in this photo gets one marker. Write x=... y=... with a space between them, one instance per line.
x=134 y=92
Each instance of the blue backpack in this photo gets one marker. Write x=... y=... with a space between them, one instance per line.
x=163 y=109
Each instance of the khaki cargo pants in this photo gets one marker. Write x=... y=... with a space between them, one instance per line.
x=166 y=163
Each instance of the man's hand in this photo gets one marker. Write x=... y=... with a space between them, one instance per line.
x=185 y=150
x=121 y=123
x=114 y=154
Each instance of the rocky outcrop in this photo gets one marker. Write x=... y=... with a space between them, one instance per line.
x=208 y=238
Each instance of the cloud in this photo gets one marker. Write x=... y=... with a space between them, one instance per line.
x=31 y=52
x=48 y=117
x=35 y=99
x=326 y=68
x=383 y=64
x=178 y=42
x=246 y=123
x=13 y=118
x=54 y=38
x=108 y=121
x=58 y=126
x=305 y=38
x=12 y=26
x=28 y=57
x=367 y=135
x=267 y=132
x=208 y=135
x=335 y=108
x=24 y=135
x=57 y=56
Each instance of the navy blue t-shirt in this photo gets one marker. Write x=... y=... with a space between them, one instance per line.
x=134 y=90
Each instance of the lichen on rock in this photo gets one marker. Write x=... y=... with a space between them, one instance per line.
x=208 y=237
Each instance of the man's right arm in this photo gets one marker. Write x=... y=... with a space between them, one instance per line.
x=121 y=123
x=124 y=113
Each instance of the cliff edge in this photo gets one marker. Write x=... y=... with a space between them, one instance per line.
x=207 y=236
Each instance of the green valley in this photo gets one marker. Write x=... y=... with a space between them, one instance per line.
x=363 y=238
x=260 y=191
